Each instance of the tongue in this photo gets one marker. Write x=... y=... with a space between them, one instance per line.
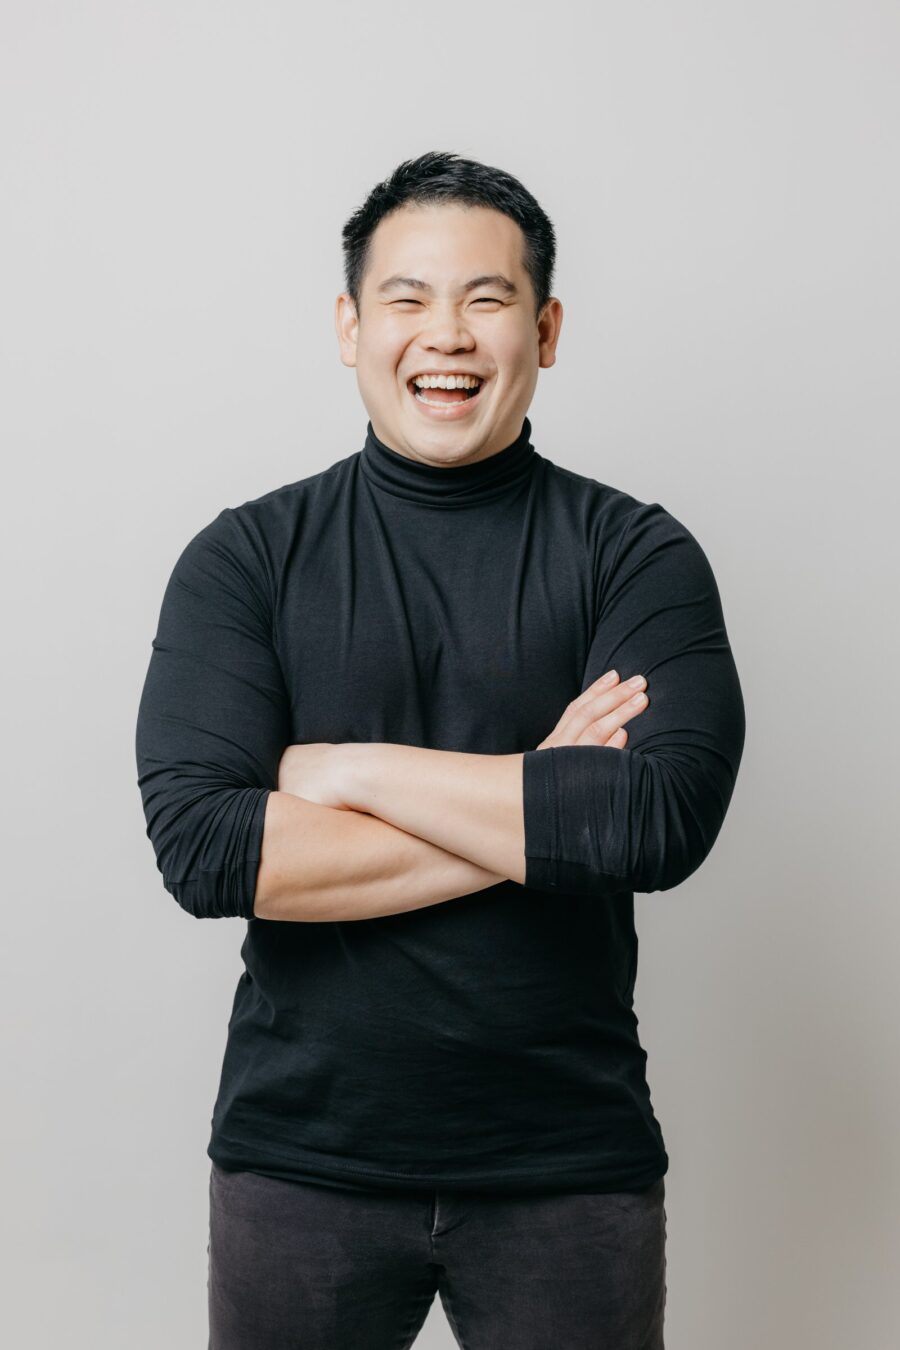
x=445 y=395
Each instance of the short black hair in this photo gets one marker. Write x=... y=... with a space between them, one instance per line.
x=439 y=176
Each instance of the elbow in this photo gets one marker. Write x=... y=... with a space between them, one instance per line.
x=664 y=868
x=216 y=895
x=600 y=821
x=679 y=813
x=208 y=846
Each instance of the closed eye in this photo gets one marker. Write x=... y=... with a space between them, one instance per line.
x=482 y=300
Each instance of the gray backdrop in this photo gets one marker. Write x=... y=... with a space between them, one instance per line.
x=723 y=181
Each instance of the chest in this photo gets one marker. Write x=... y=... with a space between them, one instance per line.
x=450 y=629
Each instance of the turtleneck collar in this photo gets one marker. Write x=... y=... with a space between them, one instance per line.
x=456 y=485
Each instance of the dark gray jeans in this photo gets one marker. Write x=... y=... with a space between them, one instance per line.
x=295 y=1266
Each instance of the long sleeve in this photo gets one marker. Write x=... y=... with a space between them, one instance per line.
x=644 y=818
x=212 y=723
x=384 y=599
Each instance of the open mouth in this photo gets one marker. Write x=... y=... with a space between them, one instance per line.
x=444 y=398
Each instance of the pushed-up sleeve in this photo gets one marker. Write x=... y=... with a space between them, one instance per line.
x=643 y=818
x=212 y=723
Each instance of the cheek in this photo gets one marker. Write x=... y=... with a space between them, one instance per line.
x=383 y=348
x=513 y=353
x=378 y=374
x=393 y=337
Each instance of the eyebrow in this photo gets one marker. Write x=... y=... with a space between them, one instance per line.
x=496 y=279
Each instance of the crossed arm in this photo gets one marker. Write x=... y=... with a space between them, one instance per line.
x=363 y=829
x=243 y=827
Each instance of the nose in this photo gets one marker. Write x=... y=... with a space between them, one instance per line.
x=446 y=332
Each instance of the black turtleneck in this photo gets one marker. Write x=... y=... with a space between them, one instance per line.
x=487 y=1043
x=458 y=485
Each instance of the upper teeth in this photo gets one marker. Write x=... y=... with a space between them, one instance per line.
x=447 y=381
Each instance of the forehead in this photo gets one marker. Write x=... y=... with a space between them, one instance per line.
x=438 y=242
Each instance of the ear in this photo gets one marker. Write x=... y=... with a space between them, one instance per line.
x=346 y=323
x=549 y=324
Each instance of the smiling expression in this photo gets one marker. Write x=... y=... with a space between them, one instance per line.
x=445 y=293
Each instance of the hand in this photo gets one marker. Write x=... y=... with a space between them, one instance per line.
x=309 y=770
x=597 y=715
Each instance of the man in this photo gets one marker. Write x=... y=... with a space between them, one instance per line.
x=427 y=720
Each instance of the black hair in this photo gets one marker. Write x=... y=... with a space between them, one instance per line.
x=443 y=177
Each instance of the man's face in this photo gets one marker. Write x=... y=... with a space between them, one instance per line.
x=441 y=325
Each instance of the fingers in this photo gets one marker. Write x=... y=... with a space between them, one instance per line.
x=608 y=681
x=598 y=713
x=601 y=710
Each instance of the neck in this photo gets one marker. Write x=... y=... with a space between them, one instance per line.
x=451 y=485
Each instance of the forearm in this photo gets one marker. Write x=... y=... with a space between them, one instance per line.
x=471 y=805
x=319 y=864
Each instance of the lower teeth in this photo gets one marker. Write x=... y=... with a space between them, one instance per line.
x=443 y=403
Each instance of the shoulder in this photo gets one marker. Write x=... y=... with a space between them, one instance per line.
x=631 y=540
x=616 y=516
x=280 y=507
x=255 y=537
